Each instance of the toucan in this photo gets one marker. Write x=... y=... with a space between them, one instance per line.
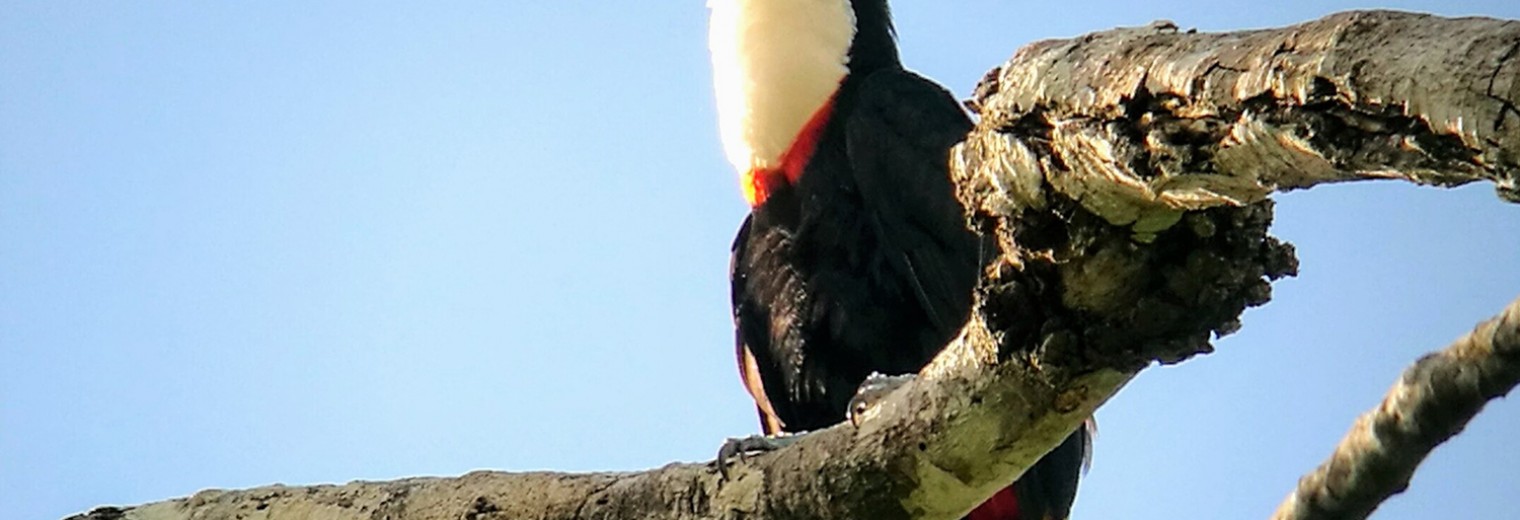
x=856 y=257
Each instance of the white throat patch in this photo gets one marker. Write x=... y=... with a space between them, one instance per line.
x=775 y=63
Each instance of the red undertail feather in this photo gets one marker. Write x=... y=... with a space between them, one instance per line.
x=1002 y=506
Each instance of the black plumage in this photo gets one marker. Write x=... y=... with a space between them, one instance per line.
x=865 y=264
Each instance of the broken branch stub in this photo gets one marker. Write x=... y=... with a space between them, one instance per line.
x=1125 y=175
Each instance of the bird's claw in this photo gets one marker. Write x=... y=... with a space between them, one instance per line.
x=737 y=448
x=872 y=391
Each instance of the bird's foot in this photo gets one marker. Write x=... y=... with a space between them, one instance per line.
x=872 y=391
x=735 y=449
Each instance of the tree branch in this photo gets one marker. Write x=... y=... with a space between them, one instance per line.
x=1121 y=181
x=1431 y=403
x=1143 y=124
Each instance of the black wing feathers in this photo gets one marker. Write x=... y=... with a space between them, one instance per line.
x=899 y=138
x=746 y=320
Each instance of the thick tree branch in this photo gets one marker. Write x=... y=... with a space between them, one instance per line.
x=1143 y=124
x=1121 y=181
x=1432 y=402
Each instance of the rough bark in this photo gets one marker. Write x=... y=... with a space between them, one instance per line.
x=1121 y=178
x=1143 y=124
x=1431 y=403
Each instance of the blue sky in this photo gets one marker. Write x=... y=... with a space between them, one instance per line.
x=248 y=243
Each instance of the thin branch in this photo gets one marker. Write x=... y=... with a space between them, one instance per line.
x=1432 y=402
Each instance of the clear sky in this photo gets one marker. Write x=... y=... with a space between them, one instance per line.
x=244 y=243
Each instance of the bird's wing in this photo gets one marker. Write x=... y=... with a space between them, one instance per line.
x=899 y=136
x=749 y=368
x=749 y=373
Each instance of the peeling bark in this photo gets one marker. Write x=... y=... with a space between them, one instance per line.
x=1141 y=124
x=1121 y=180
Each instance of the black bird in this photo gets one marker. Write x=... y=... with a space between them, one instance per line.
x=855 y=257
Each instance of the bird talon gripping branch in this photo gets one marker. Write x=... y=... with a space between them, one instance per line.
x=875 y=388
x=735 y=448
